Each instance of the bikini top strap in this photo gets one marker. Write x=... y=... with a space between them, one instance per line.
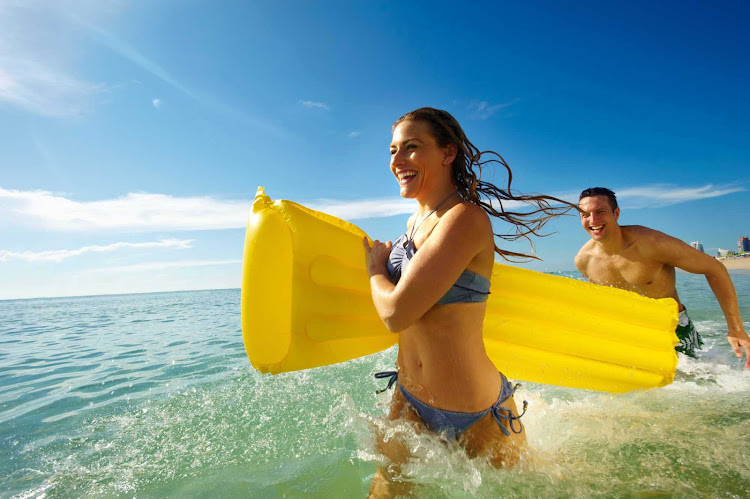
x=415 y=227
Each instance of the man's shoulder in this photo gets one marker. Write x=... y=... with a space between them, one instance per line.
x=586 y=249
x=651 y=243
x=584 y=255
x=641 y=234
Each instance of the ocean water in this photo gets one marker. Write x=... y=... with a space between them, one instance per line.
x=152 y=395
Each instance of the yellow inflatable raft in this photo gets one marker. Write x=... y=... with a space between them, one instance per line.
x=306 y=303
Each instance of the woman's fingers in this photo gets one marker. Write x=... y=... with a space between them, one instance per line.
x=377 y=247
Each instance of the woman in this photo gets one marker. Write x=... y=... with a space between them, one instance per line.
x=431 y=285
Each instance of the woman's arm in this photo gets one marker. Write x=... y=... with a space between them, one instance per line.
x=460 y=235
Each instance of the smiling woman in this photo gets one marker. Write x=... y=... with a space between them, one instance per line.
x=427 y=127
x=431 y=286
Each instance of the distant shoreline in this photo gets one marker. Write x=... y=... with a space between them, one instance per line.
x=742 y=263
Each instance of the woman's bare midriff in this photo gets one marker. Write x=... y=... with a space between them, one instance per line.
x=442 y=360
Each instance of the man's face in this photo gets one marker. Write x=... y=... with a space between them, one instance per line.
x=598 y=218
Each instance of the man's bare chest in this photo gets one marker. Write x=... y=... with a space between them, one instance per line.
x=632 y=273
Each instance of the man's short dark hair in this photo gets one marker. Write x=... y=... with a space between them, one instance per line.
x=600 y=191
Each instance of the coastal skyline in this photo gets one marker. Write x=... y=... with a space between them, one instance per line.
x=131 y=152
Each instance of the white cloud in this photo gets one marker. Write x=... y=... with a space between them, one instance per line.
x=60 y=255
x=135 y=211
x=482 y=110
x=156 y=103
x=312 y=104
x=155 y=266
x=355 y=133
x=162 y=212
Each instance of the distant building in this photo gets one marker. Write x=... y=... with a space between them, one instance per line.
x=697 y=245
x=743 y=245
x=723 y=252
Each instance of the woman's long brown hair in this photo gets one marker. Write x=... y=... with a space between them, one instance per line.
x=473 y=189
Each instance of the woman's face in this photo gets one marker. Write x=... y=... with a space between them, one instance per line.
x=417 y=161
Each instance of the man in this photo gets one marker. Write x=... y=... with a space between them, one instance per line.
x=644 y=260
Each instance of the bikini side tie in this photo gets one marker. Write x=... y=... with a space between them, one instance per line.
x=393 y=377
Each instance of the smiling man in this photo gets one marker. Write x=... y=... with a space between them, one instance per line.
x=643 y=260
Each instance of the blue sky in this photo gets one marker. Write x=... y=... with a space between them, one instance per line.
x=134 y=134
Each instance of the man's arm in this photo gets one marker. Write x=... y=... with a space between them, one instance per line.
x=672 y=251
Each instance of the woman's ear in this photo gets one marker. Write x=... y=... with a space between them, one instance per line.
x=449 y=154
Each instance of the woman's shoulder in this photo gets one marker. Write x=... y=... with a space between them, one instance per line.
x=468 y=215
x=465 y=222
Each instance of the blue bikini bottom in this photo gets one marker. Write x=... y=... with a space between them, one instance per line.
x=454 y=423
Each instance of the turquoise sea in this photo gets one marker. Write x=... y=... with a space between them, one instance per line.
x=152 y=395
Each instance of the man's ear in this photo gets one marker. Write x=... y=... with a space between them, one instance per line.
x=617 y=213
x=449 y=154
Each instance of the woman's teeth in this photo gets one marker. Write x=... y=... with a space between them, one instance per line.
x=406 y=176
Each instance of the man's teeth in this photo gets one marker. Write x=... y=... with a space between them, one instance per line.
x=598 y=227
x=404 y=175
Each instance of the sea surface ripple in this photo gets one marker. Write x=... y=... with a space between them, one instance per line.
x=152 y=395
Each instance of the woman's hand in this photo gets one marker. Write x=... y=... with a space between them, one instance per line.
x=376 y=256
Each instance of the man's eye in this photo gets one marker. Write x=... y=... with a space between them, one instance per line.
x=393 y=151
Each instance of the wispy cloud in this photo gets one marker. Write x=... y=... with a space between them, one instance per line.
x=660 y=195
x=312 y=104
x=481 y=110
x=366 y=208
x=60 y=255
x=38 y=45
x=156 y=266
x=665 y=195
x=35 y=66
x=130 y=53
x=37 y=88
x=355 y=133
x=127 y=51
x=156 y=103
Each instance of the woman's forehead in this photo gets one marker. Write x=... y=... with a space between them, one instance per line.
x=411 y=130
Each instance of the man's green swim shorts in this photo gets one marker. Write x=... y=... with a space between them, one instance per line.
x=690 y=340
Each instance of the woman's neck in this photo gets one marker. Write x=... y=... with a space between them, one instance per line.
x=435 y=201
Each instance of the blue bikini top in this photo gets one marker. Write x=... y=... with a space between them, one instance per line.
x=469 y=288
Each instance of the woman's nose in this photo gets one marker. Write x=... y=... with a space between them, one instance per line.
x=397 y=158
